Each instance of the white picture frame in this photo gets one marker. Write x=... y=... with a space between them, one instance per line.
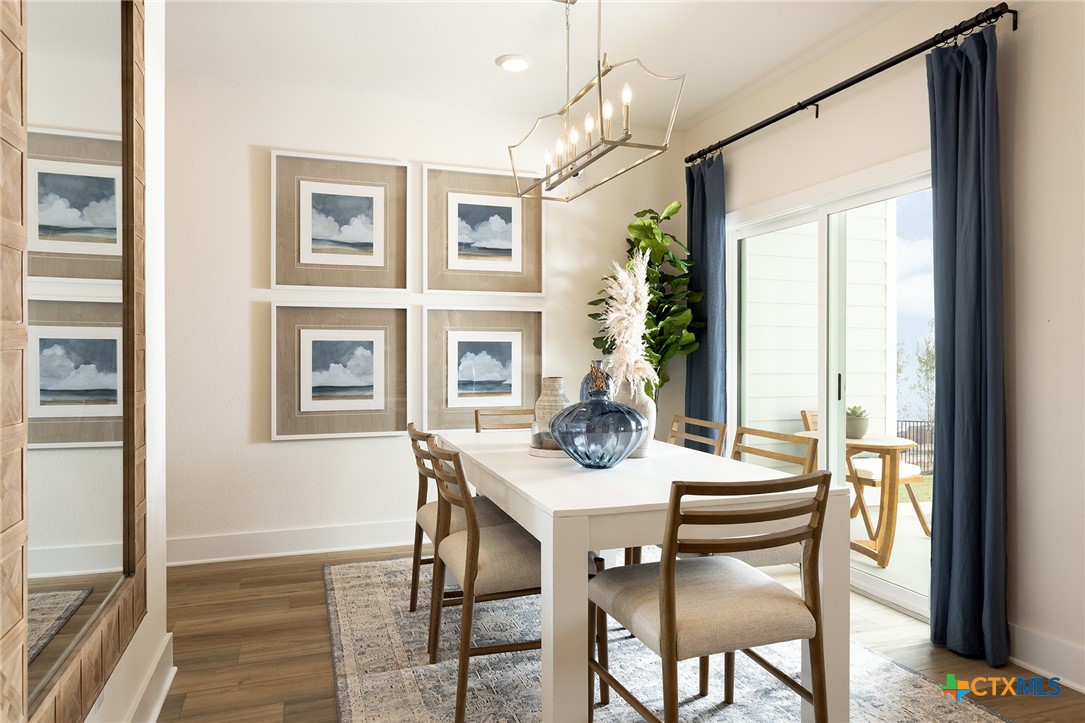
x=480 y=365
x=354 y=355
x=74 y=207
x=345 y=246
x=481 y=228
x=66 y=359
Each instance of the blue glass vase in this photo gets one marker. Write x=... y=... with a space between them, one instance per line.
x=598 y=433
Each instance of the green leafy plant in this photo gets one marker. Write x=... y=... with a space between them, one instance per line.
x=669 y=322
x=856 y=411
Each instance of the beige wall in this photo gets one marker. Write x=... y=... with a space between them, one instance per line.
x=1041 y=87
x=233 y=492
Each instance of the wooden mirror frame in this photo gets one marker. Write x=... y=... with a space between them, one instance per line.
x=70 y=692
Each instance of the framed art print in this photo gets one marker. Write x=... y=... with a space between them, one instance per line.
x=484 y=233
x=75 y=371
x=342 y=369
x=479 y=236
x=484 y=368
x=338 y=371
x=74 y=194
x=345 y=224
x=338 y=222
x=478 y=358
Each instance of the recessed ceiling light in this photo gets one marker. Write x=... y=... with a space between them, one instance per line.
x=512 y=63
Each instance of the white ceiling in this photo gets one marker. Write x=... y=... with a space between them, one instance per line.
x=444 y=50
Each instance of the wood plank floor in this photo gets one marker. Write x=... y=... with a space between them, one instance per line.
x=251 y=643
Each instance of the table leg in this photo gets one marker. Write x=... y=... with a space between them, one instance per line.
x=565 y=620
x=887 y=518
x=835 y=611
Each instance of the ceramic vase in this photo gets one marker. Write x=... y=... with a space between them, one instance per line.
x=634 y=396
x=856 y=427
x=551 y=401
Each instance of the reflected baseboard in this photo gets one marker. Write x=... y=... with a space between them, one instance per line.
x=74 y=560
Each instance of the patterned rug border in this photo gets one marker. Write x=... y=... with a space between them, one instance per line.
x=341 y=681
x=58 y=622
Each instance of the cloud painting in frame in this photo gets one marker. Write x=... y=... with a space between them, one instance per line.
x=484 y=233
x=76 y=372
x=484 y=369
x=75 y=207
x=342 y=369
x=341 y=224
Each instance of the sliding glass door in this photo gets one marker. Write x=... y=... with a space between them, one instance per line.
x=835 y=309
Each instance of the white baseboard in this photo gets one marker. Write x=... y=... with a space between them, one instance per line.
x=276 y=543
x=158 y=685
x=75 y=560
x=1048 y=656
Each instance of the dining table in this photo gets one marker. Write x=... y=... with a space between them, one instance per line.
x=573 y=510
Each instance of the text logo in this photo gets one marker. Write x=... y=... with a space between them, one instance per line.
x=995 y=686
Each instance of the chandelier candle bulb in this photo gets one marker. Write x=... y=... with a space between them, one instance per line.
x=589 y=126
x=559 y=149
x=574 y=136
x=627 y=97
x=608 y=111
x=549 y=159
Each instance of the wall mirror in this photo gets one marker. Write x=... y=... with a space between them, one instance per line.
x=75 y=554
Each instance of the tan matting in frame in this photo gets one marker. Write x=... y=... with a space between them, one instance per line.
x=290 y=171
x=440 y=321
x=61 y=147
x=76 y=431
x=441 y=182
x=290 y=421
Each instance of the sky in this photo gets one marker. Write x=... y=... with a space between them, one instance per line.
x=485 y=226
x=77 y=364
x=72 y=201
x=343 y=218
x=342 y=363
x=915 y=289
x=485 y=361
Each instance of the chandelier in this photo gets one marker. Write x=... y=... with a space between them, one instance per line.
x=583 y=145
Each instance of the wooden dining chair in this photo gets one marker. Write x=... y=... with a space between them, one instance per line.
x=806 y=459
x=495 y=419
x=696 y=607
x=488 y=563
x=426 y=512
x=867 y=472
x=680 y=433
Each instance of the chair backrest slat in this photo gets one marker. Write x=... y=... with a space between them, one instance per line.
x=744 y=517
x=680 y=433
x=422 y=458
x=809 y=419
x=745 y=544
x=492 y=419
x=452 y=487
x=806 y=461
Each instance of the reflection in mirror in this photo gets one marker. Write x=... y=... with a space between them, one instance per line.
x=75 y=384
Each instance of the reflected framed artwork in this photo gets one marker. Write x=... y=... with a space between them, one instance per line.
x=338 y=222
x=74 y=207
x=75 y=371
x=477 y=358
x=338 y=371
x=479 y=236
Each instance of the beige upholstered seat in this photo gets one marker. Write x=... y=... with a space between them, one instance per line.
x=508 y=558
x=722 y=604
x=696 y=607
x=426 y=512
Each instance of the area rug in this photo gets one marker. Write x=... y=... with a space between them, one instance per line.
x=48 y=611
x=381 y=670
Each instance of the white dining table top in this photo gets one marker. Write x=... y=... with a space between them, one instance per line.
x=561 y=487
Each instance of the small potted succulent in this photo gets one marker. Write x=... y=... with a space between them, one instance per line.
x=856 y=422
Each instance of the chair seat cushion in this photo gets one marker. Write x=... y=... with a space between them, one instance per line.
x=509 y=558
x=870 y=468
x=487 y=512
x=723 y=605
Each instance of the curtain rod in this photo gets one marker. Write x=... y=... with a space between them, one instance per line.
x=987 y=17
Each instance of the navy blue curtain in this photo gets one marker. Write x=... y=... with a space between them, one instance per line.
x=968 y=541
x=706 y=368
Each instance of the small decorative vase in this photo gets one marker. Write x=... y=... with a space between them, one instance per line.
x=551 y=401
x=585 y=383
x=635 y=397
x=856 y=427
x=598 y=433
